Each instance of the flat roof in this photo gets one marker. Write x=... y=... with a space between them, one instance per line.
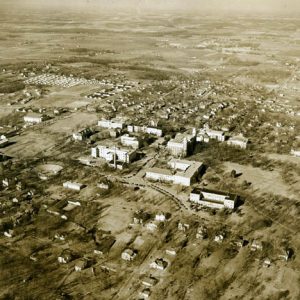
x=204 y=190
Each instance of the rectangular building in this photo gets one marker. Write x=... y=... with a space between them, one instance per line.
x=34 y=118
x=182 y=172
x=144 y=129
x=112 y=124
x=238 y=141
x=111 y=153
x=182 y=144
x=130 y=141
x=206 y=134
x=213 y=199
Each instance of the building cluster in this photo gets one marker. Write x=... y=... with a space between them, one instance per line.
x=61 y=80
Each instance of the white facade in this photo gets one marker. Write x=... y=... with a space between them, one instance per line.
x=206 y=134
x=111 y=124
x=73 y=185
x=129 y=141
x=150 y=130
x=183 y=172
x=213 y=199
x=111 y=153
x=181 y=144
x=33 y=118
x=82 y=134
x=238 y=141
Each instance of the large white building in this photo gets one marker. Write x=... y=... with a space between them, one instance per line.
x=238 y=141
x=150 y=130
x=213 y=199
x=206 y=134
x=112 y=124
x=114 y=154
x=130 y=141
x=182 y=172
x=34 y=118
x=73 y=185
x=182 y=144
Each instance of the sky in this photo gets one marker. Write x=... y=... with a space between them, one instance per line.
x=211 y=6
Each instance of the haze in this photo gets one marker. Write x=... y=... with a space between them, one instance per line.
x=205 y=6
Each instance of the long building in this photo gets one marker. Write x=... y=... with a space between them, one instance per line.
x=213 y=199
x=207 y=134
x=150 y=130
x=181 y=172
x=112 y=124
x=114 y=153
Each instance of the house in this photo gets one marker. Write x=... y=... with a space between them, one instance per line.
x=73 y=185
x=295 y=152
x=151 y=226
x=159 y=264
x=112 y=124
x=80 y=265
x=140 y=217
x=183 y=227
x=128 y=254
x=171 y=252
x=82 y=134
x=113 y=153
x=145 y=293
x=34 y=118
x=182 y=172
x=149 y=281
x=130 y=141
x=256 y=245
x=182 y=145
x=201 y=233
x=160 y=217
x=238 y=141
x=213 y=199
x=3 y=141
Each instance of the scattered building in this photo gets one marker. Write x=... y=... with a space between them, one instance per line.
x=213 y=199
x=149 y=281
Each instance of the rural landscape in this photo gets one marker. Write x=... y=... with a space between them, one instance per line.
x=148 y=155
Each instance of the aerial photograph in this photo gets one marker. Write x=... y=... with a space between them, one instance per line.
x=149 y=149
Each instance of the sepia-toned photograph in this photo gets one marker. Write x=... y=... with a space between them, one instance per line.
x=149 y=149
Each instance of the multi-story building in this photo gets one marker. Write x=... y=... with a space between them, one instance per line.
x=206 y=134
x=182 y=145
x=213 y=199
x=130 y=141
x=238 y=141
x=114 y=153
x=150 y=130
x=182 y=172
x=111 y=124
